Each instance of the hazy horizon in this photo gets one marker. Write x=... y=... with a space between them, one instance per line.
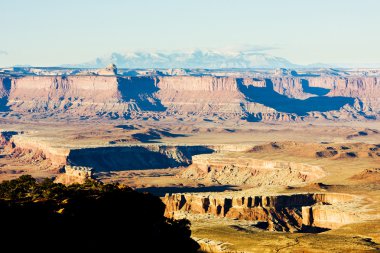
x=43 y=33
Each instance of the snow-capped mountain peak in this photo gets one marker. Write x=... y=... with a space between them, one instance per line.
x=209 y=59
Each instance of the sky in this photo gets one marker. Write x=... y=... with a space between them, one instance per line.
x=55 y=32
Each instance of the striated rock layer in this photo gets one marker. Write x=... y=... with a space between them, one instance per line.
x=285 y=98
x=224 y=170
x=297 y=212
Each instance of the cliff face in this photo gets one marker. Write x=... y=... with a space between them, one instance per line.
x=95 y=88
x=133 y=157
x=75 y=175
x=60 y=94
x=200 y=95
x=298 y=212
x=365 y=89
x=252 y=99
x=57 y=156
x=221 y=169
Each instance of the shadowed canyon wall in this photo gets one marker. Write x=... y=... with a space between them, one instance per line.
x=133 y=157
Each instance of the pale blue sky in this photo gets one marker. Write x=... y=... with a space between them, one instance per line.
x=48 y=32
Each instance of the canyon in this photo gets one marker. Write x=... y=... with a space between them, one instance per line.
x=258 y=160
x=297 y=212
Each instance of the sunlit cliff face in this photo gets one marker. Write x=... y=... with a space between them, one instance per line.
x=266 y=98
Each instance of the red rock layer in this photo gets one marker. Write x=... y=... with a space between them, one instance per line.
x=226 y=97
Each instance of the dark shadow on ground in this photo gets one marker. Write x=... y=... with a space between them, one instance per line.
x=268 y=97
x=305 y=229
x=313 y=230
x=154 y=134
x=126 y=127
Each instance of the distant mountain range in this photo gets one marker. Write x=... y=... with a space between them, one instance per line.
x=194 y=59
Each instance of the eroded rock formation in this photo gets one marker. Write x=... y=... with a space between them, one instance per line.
x=227 y=169
x=297 y=212
x=5 y=139
x=75 y=174
x=267 y=98
x=107 y=158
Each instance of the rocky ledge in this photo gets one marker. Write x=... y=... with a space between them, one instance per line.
x=307 y=212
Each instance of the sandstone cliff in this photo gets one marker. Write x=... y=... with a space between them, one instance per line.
x=226 y=169
x=128 y=157
x=270 y=98
x=297 y=212
x=75 y=175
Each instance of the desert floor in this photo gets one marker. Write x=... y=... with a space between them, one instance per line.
x=348 y=153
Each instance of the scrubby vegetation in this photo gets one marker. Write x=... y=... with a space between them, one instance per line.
x=89 y=217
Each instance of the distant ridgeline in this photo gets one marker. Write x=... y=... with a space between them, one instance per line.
x=247 y=95
x=93 y=217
